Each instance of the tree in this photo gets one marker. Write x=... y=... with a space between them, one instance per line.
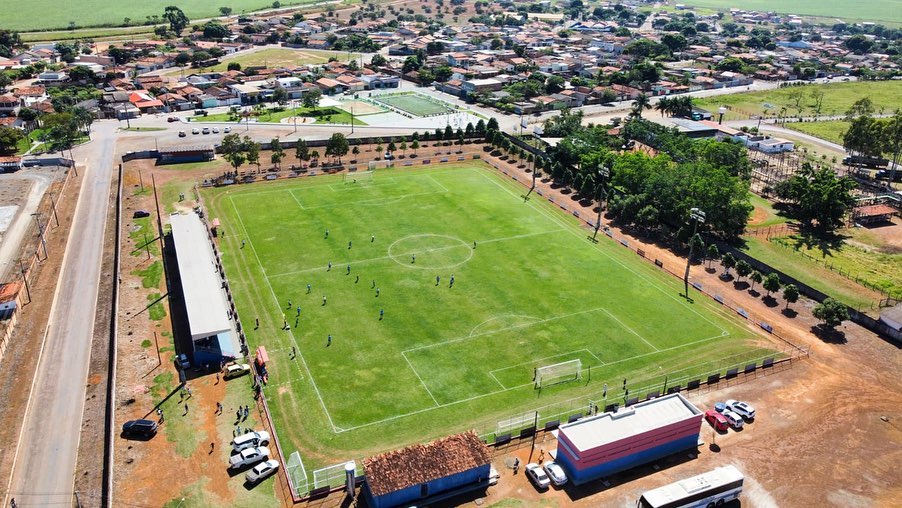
x=225 y=11
x=251 y=151
x=311 y=98
x=820 y=199
x=728 y=261
x=278 y=153
x=674 y=43
x=831 y=313
x=404 y=147
x=9 y=139
x=214 y=30
x=355 y=151
x=480 y=127
x=449 y=133
x=772 y=283
x=234 y=66
x=554 y=84
x=696 y=244
x=182 y=58
x=280 y=96
x=493 y=124
x=176 y=18
x=378 y=60
x=302 y=152
x=664 y=106
x=712 y=253
x=338 y=146
x=790 y=294
x=640 y=104
x=391 y=147
x=756 y=278
x=743 y=268
x=233 y=150
x=817 y=95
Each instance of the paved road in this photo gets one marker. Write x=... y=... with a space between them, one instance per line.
x=43 y=472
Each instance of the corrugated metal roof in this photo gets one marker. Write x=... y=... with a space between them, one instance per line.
x=605 y=428
x=201 y=284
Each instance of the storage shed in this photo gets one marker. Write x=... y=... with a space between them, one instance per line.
x=608 y=443
x=425 y=473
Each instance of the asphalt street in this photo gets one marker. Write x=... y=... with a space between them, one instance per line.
x=44 y=468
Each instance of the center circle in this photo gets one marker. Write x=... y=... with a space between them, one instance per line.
x=430 y=251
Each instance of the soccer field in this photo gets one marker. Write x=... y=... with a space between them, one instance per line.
x=531 y=291
x=415 y=104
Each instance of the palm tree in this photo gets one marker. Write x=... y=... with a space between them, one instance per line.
x=642 y=102
x=664 y=106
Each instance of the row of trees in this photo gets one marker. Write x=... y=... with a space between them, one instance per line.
x=872 y=137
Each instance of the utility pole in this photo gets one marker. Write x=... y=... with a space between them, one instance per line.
x=25 y=279
x=696 y=216
x=37 y=219
x=141 y=179
x=53 y=206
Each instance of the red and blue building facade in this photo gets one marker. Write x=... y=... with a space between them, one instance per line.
x=608 y=443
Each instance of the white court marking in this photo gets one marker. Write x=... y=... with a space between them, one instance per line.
x=407 y=262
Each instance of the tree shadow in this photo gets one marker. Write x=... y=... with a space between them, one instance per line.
x=825 y=243
x=754 y=293
x=790 y=313
x=770 y=301
x=740 y=285
x=829 y=335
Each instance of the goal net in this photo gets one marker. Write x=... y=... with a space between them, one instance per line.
x=562 y=372
x=359 y=177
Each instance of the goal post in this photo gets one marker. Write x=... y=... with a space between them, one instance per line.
x=557 y=373
x=359 y=176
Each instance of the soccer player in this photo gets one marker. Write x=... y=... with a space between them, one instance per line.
x=474 y=244
x=381 y=314
x=357 y=280
x=377 y=292
x=308 y=289
x=299 y=310
x=452 y=281
x=349 y=270
x=349 y=244
x=324 y=299
x=437 y=279
x=372 y=238
x=329 y=343
x=289 y=303
x=327 y=234
x=330 y=267
x=413 y=258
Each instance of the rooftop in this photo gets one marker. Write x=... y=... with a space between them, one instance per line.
x=422 y=463
x=607 y=428
x=201 y=285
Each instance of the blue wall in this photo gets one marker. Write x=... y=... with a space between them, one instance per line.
x=411 y=495
x=615 y=466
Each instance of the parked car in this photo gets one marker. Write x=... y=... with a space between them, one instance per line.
x=182 y=361
x=717 y=420
x=261 y=471
x=172 y=119
x=537 y=476
x=140 y=214
x=140 y=428
x=227 y=130
x=388 y=156
x=195 y=131
x=215 y=130
x=720 y=407
x=236 y=370
x=734 y=419
x=182 y=134
x=206 y=130
x=555 y=473
x=744 y=409
x=248 y=456
x=250 y=440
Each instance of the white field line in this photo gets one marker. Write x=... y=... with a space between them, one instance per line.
x=292 y=185
x=578 y=233
x=417 y=374
x=366 y=202
x=296 y=200
x=496 y=392
x=487 y=321
x=276 y=300
x=402 y=254
x=492 y=373
x=606 y=311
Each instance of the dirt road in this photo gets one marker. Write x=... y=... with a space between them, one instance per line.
x=45 y=461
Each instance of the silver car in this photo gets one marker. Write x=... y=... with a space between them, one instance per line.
x=744 y=409
x=248 y=456
x=555 y=473
x=537 y=476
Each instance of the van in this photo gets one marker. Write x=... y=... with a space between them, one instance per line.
x=195 y=131
x=182 y=134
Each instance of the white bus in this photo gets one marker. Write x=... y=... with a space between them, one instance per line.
x=707 y=490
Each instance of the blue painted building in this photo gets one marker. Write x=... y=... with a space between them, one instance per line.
x=425 y=473
x=608 y=443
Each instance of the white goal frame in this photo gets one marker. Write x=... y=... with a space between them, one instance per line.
x=359 y=176
x=563 y=372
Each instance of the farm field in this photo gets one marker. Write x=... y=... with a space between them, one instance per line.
x=528 y=290
x=415 y=104
x=837 y=99
x=831 y=131
x=872 y=10
x=83 y=13
x=282 y=57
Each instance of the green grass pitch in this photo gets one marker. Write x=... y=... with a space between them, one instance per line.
x=532 y=292
x=415 y=104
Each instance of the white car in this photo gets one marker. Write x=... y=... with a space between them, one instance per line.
x=250 y=440
x=261 y=471
x=537 y=476
x=555 y=473
x=227 y=130
x=734 y=419
x=215 y=130
x=236 y=370
x=744 y=409
x=195 y=131
x=248 y=456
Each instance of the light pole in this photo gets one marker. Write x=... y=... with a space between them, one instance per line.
x=697 y=216
x=721 y=111
x=604 y=172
